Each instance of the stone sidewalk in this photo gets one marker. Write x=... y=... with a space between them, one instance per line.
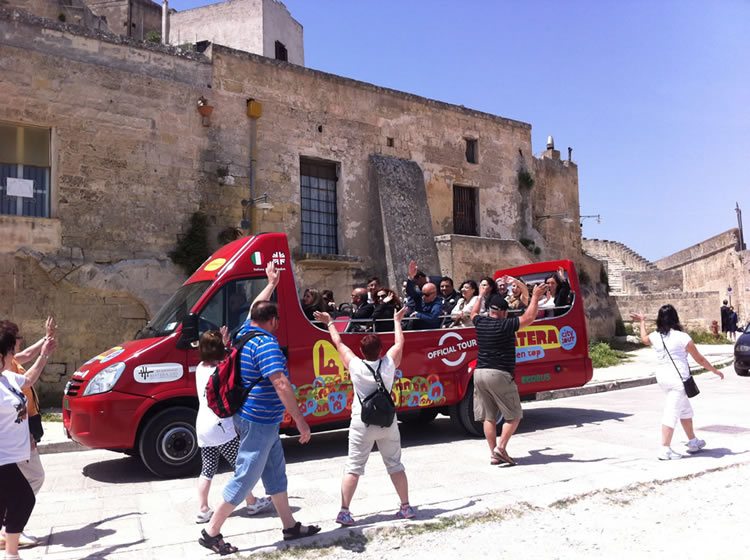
x=98 y=504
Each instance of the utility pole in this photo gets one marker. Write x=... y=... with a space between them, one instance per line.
x=739 y=225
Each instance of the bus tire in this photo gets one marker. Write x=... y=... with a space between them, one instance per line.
x=462 y=414
x=418 y=417
x=168 y=445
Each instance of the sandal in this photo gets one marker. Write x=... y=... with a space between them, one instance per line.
x=503 y=456
x=217 y=544
x=299 y=531
x=495 y=460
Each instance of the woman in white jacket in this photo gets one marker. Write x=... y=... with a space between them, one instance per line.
x=672 y=347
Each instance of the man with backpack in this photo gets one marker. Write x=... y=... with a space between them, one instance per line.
x=261 y=456
x=370 y=376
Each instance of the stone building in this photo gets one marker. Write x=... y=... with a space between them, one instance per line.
x=695 y=280
x=107 y=131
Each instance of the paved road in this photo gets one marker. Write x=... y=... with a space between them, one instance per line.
x=98 y=504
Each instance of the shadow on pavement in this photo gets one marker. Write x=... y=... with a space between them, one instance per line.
x=334 y=444
x=85 y=535
x=717 y=452
x=536 y=457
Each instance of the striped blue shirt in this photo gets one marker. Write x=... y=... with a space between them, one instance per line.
x=260 y=358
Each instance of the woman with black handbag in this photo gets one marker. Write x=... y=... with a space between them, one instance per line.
x=672 y=347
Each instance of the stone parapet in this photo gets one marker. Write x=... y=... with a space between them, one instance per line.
x=722 y=242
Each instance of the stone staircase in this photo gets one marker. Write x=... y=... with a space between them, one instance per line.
x=619 y=258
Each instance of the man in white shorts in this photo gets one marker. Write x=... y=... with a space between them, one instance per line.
x=362 y=437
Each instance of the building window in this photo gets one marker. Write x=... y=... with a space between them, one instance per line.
x=319 y=214
x=24 y=171
x=281 y=53
x=465 y=204
x=472 y=150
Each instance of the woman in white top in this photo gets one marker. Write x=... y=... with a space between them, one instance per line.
x=363 y=436
x=672 y=347
x=16 y=496
x=216 y=436
x=462 y=310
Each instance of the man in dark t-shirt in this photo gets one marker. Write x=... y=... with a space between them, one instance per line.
x=495 y=390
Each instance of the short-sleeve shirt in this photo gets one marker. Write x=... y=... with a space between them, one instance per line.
x=497 y=342
x=676 y=342
x=14 y=429
x=363 y=379
x=210 y=429
x=261 y=357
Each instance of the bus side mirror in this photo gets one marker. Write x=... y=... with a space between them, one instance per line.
x=189 y=333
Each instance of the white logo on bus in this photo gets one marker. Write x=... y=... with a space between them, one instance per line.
x=158 y=373
x=451 y=343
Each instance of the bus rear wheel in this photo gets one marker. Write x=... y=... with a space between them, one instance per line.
x=462 y=414
x=418 y=417
x=168 y=444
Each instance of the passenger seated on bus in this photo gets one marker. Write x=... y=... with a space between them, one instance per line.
x=558 y=298
x=329 y=303
x=312 y=301
x=461 y=312
x=386 y=304
x=373 y=285
x=450 y=299
x=428 y=306
x=518 y=300
x=361 y=312
x=487 y=281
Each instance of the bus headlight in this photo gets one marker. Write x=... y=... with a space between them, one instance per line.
x=104 y=380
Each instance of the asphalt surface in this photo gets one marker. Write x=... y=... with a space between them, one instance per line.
x=99 y=504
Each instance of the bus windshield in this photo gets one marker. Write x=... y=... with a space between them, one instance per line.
x=174 y=311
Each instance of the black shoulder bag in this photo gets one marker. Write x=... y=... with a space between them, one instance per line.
x=378 y=408
x=691 y=388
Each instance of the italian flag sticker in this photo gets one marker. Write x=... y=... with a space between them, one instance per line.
x=256 y=258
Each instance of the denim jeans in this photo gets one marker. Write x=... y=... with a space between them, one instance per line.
x=260 y=457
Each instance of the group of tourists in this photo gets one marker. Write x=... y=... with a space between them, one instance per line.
x=250 y=441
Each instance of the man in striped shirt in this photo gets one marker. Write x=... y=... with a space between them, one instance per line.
x=495 y=390
x=261 y=456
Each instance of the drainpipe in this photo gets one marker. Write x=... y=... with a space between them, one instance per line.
x=165 y=22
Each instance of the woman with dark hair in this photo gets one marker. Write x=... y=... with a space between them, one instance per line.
x=558 y=294
x=16 y=495
x=672 y=347
x=461 y=313
x=490 y=283
x=386 y=304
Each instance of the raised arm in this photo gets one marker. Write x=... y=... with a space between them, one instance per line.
x=33 y=373
x=395 y=352
x=344 y=351
x=530 y=314
x=484 y=291
x=641 y=318
x=273 y=276
x=32 y=351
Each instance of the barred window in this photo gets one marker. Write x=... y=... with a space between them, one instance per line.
x=24 y=171
x=280 y=51
x=319 y=214
x=465 y=206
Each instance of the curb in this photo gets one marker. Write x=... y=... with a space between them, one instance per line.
x=59 y=447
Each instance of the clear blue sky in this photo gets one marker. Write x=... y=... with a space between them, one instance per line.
x=653 y=96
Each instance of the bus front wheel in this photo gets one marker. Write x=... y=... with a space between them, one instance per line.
x=168 y=445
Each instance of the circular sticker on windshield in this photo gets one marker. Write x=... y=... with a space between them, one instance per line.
x=215 y=264
x=568 y=338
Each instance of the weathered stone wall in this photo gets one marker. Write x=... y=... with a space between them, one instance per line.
x=470 y=258
x=715 y=264
x=144 y=16
x=555 y=192
x=652 y=282
x=72 y=12
x=618 y=258
x=696 y=309
x=126 y=176
x=601 y=312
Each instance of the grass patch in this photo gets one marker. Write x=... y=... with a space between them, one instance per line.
x=49 y=416
x=705 y=337
x=603 y=355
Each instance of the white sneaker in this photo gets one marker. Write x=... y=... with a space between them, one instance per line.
x=204 y=516
x=695 y=445
x=669 y=455
x=261 y=504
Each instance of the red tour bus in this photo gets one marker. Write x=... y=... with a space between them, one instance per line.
x=140 y=398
